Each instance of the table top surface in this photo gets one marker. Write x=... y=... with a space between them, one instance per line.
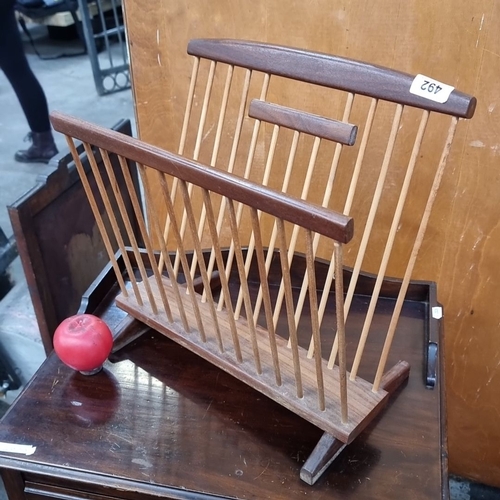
x=160 y=420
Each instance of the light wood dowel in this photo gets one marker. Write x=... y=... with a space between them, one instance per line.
x=389 y=244
x=204 y=109
x=220 y=264
x=361 y=156
x=189 y=104
x=182 y=142
x=230 y=165
x=145 y=236
x=265 y=181
x=169 y=204
x=295 y=230
x=315 y=327
x=268 y=309
x=129 y=230
x=243 y=282
x=248 y=169
x=413 y=257
x=197 y=147
x=339 y=311
x=347 y=209
x=114 y=223
x=325 y=202
x=162 y=181
x=287 y=285
x=97 y=215
x=284 y=188
x=371 y=217
x=191 y=223
x=213 y=160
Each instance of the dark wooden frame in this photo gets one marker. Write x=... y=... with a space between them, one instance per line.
x=324 y=221
x=44 y=220
x=330 y=71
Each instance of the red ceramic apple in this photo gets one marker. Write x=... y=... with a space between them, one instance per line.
x=83 y=342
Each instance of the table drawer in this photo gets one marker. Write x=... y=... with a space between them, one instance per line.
x=40 y=487
x=39 y=491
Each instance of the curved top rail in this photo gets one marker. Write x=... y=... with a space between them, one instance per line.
x=329 y=71
x=314 y=217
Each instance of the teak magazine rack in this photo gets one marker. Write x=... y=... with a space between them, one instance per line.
x=237 y=208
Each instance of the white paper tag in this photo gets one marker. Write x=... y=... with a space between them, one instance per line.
x=437 y=312
x=431 y=89
x=24 y=449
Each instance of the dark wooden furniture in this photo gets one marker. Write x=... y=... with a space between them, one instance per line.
x=240 y=333
x=60 y=248
x=183 y=429
x=211 y=203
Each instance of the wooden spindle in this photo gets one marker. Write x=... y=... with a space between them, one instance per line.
x=246 y=174
x=389 y=244
x=182 y=142
x=232 y=160
x=265 y=181
x=234 y=147
x=339 y=312
x=413 y=257
x=371 y=216
x=220 y=264
x=191 y=223
x=295 y=230
x=145 y=237
x=213 y=160
x=129 y=231
x=315 y=326
x=268 y=309
x=197 y=146
x=347 y=209
x=287 y=286
x=243 y=283
x=284 y=188
x=97 y=215
x=162 y=182
x=204 y=110
x=189 y=104
x=360 y=156
x=114 y=223
x=169 y=204
x=325 y=202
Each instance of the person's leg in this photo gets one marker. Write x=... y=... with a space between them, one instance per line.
x=27 y=88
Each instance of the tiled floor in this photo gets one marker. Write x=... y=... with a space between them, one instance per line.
x=69 y=86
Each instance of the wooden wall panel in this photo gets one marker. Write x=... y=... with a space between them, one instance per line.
x=455 y=41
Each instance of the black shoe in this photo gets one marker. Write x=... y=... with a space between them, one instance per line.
x=41 y=151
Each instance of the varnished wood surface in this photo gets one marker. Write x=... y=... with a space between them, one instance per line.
x=322 y=69
x=308 y=123
x=160 y=421
x=321 y=220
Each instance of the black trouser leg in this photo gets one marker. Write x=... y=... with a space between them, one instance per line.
x=17 y=70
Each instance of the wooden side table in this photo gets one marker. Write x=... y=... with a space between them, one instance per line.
x=160 y=422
